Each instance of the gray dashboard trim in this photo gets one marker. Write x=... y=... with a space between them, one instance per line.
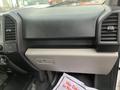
x=72 y=60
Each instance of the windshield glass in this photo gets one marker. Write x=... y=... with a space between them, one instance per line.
x=6 y=5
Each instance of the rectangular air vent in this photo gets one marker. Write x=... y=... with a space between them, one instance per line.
x=109 y=29
x=9 y=29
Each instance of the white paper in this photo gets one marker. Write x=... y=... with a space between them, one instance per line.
x=68 y=82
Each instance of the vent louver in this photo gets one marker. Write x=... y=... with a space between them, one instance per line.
x=9 y=29
x=109 y=29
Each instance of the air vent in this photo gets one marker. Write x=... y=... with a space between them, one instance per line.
x=109 y=29
x=9 y=29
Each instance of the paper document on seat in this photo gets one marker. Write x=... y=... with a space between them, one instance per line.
x=68 y=82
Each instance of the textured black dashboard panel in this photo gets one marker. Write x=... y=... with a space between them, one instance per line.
x=60 y=22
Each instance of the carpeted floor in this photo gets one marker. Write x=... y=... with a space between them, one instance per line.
x=3 y=78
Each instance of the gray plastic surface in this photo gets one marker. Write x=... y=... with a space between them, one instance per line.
x=72 y=60
x=60 y=22
x=1 y=31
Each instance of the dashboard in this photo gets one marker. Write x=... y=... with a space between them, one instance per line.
x=82 y=39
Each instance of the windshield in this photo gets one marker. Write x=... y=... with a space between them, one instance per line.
x=6 y=5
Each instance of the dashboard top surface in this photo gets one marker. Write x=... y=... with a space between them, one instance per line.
x=60 y=22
